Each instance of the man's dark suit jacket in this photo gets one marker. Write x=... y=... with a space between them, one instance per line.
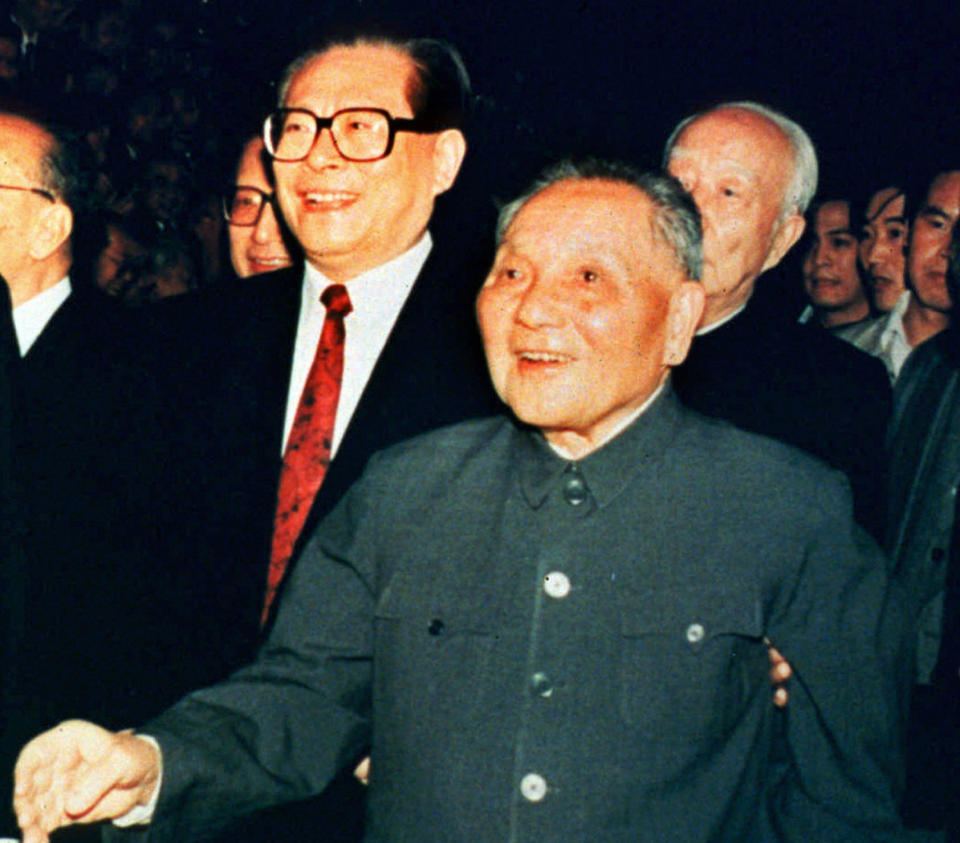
x=13 y=564
x=769 y=375
x=641 y=694
x=119 y=619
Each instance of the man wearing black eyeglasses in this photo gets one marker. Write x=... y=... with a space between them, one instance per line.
x=367 y=136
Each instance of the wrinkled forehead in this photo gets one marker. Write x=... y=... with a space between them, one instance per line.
x=593 y=219
x=738 y=141
x=346 y=77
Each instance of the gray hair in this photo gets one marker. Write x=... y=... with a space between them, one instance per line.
x=803 y=181
x=676 y=218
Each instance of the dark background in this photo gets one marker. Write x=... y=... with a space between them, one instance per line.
x=874 y=84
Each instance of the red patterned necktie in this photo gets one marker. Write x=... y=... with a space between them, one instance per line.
x=307 y=454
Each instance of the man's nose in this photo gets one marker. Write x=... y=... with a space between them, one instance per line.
x=267 y=228
x=324 y=152
x=539 y=305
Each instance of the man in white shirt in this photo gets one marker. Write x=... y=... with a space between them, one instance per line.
x=924 y=310
x=360 y=214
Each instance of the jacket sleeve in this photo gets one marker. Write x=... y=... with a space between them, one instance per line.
x=845 y=629
x=280 y=729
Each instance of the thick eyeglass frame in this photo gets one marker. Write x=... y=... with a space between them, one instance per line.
x=265 y=199
x=46 y=194
x=394 y=125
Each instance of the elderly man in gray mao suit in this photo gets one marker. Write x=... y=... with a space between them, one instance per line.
x=552 y=627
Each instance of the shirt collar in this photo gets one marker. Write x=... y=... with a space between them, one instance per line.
x=894 y=321
x=383 y=288
x=31 y=317
x=608 y=470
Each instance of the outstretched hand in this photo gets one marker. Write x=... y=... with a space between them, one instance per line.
x=80 y=773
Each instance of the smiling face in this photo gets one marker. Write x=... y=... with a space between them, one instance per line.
x=737 y=165
x=930 y=242
x=353 y=216
x=256 y=248
x=830 y=275
x=584 y=311
x=883 y=246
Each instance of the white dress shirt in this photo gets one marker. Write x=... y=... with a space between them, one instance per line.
x=31 y=317
x=377 y=297
x=885 y=338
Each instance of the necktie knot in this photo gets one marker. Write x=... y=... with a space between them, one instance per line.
x=337 y=301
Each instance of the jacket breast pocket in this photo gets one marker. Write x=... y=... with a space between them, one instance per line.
x=690 y=660
x=432 y=641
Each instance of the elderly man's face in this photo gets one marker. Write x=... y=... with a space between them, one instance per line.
x=930 y=241
x=23 y=147
x=584 y=310
x=737 y=166
x=830 y=275
x=256 y=248
x=353 y=216
x=883 y=246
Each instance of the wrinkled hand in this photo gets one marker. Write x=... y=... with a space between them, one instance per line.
x=780 y=672
x=80 y=773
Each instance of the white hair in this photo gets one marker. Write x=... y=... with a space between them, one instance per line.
x=802 y=186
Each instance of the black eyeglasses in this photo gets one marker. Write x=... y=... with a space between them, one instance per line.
x=46 y=194
x=359 y=134
x=243 y=205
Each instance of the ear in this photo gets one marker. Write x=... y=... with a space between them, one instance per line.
x=449 y=147
x=683 y=318
x=788 y=233
x=52 y=228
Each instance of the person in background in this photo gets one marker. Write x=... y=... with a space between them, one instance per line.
x=924 y=547
x=258 y=241
x=924 y=310
x=831 y=277
x=883 y=247
x=752 y=173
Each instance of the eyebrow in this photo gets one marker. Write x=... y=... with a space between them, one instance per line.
x=933 y=211
x=847 y=231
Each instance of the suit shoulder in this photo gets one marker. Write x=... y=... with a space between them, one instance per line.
x=738 y=455
x=449 y=445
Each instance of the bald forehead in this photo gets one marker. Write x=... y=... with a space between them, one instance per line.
x=731 y=127
x=23 y=144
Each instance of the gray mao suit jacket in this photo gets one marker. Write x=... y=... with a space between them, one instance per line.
x=545 y=650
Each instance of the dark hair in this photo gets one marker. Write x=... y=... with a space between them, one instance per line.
x=439 y=89
x=953 y=268
x=898 y=186
x=676 y=218
x=68 y=172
